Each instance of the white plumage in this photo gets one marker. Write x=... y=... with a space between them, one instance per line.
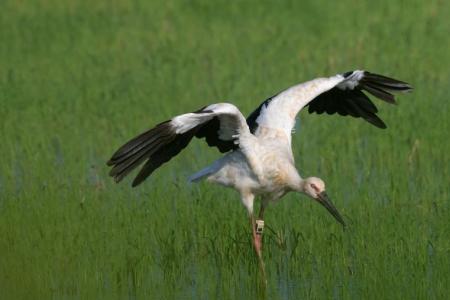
x=259 y=161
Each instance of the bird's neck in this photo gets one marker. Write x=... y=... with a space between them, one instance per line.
x=298 y=183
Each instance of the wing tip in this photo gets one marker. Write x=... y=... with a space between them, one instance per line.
x=375 y=120
x=383 y=87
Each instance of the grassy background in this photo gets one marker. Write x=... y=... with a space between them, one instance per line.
x=78 y=78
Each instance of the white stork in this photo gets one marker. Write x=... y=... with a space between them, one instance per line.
x=259 y=159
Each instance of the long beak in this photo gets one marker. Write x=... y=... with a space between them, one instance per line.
x=326 y=202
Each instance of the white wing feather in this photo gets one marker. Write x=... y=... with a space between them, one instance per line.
x=282 y=110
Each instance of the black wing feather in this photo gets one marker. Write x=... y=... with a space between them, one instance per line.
x=159 y=144
x=378 y=92
x=251 y=119
x=348 y=102
x=162 y=155
x=354 y=102
x=209 y=132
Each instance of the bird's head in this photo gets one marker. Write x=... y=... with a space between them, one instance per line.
x=315 y=188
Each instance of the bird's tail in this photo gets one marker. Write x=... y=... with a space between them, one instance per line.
x=202 y=174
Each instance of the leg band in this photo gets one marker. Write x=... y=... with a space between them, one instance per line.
x=259 y=227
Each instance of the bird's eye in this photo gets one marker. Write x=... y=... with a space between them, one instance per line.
x=315 y=187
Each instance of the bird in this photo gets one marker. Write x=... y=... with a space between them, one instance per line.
x=257 y=159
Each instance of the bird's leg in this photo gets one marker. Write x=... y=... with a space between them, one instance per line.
x=262 y=209
x=258 y=229
x=247 y=199
x=258 y=226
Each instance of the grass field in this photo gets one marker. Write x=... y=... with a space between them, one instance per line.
x=79 y=78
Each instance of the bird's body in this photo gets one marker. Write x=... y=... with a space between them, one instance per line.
x=260 y=161
x=277 y=173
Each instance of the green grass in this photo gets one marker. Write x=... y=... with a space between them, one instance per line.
x=78 y=78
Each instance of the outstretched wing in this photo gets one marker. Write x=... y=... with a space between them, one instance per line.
x=221 y=125
x=342 y=94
